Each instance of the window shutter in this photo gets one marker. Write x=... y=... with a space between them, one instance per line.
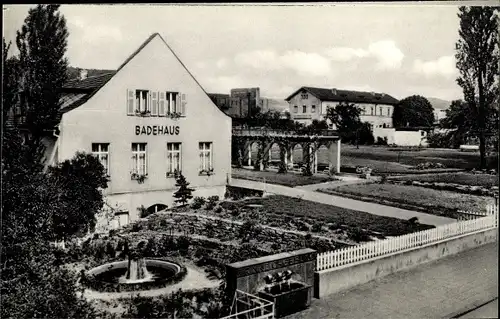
x=130 y=102
x=178 y=106
x=161 y=109
x=183 y=103
x=154 y=102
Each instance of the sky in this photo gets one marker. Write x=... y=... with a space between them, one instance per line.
x=399 y=49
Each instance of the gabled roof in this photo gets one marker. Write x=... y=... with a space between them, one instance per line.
x=93 y=84
x=335 y=95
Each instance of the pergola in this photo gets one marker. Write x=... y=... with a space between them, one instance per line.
x=244 y=138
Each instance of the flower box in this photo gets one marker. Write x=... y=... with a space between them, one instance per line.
x=288 y=299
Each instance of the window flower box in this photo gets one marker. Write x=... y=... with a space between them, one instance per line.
x=143 y=113
x=173 y=174
x=174 y=115
x=207 y=172
x=140 y=178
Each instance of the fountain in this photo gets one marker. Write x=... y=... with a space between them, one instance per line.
x=135 y=274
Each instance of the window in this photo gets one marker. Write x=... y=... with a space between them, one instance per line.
x=172 y=103
x=206 y=164
x=304 y=96
x=380 y=111
x=313 y=108
x=371 y=110
x=101 y=151
x=304 y=108
x=388 y=111
x=295 y=109
x=139 y=160
x=142 y=101
x=173 y=158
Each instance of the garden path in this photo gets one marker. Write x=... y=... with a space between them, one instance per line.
x=343 y=202
x=343 y=180
x=442 y=289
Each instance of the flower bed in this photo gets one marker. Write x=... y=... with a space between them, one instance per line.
x=462 y=178
x=301 y=215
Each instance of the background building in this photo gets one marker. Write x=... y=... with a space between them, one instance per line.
x=308 y=104
x=144 y=121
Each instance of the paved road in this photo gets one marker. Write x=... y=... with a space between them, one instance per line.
x=343 y=202
x=440 y=289
x=490 y=310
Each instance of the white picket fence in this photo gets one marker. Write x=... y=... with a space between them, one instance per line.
x=349 y=255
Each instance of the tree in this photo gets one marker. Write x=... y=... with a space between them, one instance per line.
x=461 y=120
x=10 y=82
x=79 y=182
x=477 y=58
x=413 y=111
x=184 y=193
x=345 y=116
x=42 y=44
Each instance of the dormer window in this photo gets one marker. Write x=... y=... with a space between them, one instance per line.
x=304 y=96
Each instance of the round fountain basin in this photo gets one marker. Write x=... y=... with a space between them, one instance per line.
x=112 y=276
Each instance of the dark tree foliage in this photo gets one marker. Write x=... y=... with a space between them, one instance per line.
x=346 y=117
x=477 y=55
x=79 y=182
x=461 y=120
x=42 y=43
x=413 y=111
x=10 y=82
x=184 y=193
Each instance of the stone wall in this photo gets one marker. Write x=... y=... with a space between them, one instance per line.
x=248 y=275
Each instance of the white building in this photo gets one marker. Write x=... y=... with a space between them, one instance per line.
x=144 y=121
x=309 y=103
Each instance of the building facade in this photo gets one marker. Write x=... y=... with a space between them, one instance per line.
x=241 y=102
x=145 y=121
x=308 y=104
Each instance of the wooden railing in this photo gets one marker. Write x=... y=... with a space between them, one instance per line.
x=377 y=249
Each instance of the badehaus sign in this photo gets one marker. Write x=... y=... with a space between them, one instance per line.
x=156 y=130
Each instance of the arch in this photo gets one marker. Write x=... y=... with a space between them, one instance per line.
x=156 y=208
x=274 y=153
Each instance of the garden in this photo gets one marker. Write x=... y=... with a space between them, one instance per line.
x=209 y=233
x=432 y=201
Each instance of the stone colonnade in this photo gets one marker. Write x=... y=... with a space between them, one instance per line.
x=309 y=151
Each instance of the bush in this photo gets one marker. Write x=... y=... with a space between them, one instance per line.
x=316 y=228
x=301 y=226
x=212 y=202
x=248 y=230
x=358 y=235
x=143 y=212
x=218 y=209
x=198 y=202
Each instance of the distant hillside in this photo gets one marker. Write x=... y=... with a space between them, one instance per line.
x=439 y=103
x=278 y=104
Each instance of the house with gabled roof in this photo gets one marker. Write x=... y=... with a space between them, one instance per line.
x=309 y=103
x=146 y=121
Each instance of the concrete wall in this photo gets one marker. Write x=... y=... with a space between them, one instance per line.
x=103 y=119
x=333 y=281
x=410 y=138
x=248 y=275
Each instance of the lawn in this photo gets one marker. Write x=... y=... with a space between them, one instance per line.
x=272 y=177
x=311 y=212
x=449 y=157
x=462 y=178
x=432 y=201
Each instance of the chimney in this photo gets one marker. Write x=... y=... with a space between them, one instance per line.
x=334 y=91
x=83 y=74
